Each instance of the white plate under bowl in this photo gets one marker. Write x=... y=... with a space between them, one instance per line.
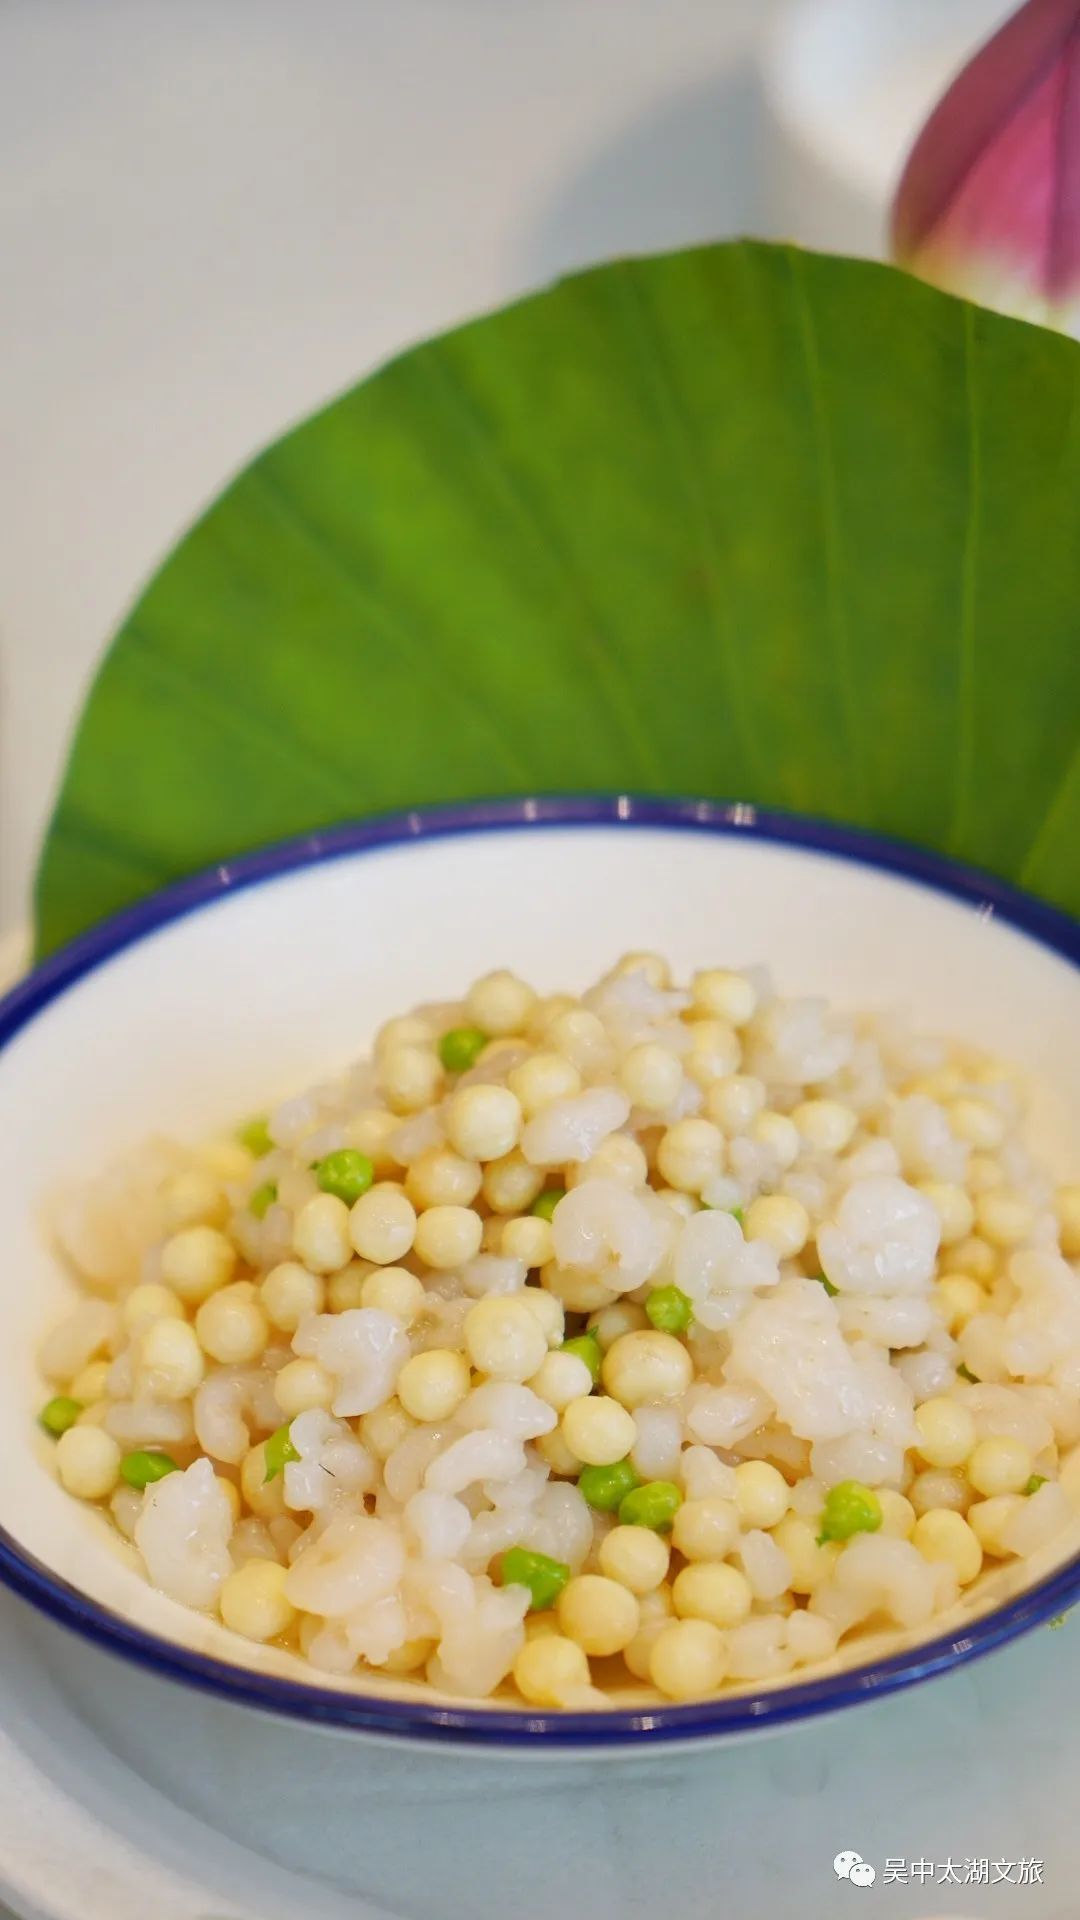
x=239 y=986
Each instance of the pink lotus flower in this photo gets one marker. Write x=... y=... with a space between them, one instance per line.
x=989 y=201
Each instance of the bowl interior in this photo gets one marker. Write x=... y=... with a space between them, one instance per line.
x=259 y=993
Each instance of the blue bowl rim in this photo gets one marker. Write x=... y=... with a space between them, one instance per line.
x=415 y=1719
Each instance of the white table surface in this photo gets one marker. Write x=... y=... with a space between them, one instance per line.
x=215 y=213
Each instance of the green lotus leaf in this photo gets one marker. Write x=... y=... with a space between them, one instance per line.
x=741 y=521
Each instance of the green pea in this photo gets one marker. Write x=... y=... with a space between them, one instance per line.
x=827 y=1284
x=1037 y=1480
x=850 y=1508
x=587 y=1348
x=461 y=1048
x=345 y=1173
x=605 y=1487
x=669 y=1309
x=653 y=1505
x=263 y=1198
x=58 y=1415
x=255 y=1136
x=278 y=1452
x=965 y=1373
x=144 y=1466
x=738 y=1213
x=545 y=1203
x=544 y=1577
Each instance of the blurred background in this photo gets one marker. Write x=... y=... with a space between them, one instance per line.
x=214 y=214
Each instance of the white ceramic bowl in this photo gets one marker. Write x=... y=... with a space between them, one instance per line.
x=249 y=981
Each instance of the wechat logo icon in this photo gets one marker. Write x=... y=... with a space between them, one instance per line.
x=851 y=1866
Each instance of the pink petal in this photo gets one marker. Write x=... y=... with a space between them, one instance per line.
x=993 y=182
